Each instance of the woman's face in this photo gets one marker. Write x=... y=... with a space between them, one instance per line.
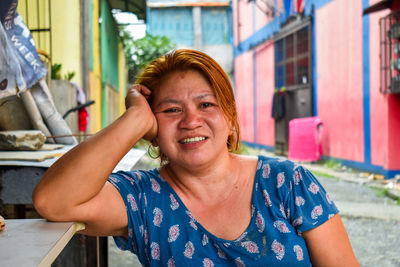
x=192 y=129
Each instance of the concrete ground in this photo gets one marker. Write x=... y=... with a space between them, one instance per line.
x=371 y=218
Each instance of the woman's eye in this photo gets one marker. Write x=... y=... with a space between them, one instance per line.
x=171 y=110
x=206 y=105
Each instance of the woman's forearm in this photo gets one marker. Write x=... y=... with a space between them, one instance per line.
x=81 y=173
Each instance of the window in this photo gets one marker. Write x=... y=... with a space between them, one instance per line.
x=390 y=53
x=215 y=25
x=292 y=59
x=177 y=23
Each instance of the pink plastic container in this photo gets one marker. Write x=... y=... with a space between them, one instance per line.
x=305 y=139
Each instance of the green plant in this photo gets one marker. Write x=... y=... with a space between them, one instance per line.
x=138 y=53
x=56 y=71
x=331 y=163
x=69 y=75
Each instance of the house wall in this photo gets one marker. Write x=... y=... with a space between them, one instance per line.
x=110 y=67
x=244 y=94
x=200 y=25
x=265 y=89
x=379 y=106
x=360 y=124
x=64 y=21
x=95 y=69
x=339 y=79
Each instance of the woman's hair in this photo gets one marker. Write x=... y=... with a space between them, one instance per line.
x=158 y=70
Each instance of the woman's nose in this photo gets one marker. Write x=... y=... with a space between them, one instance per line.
x=191 y=119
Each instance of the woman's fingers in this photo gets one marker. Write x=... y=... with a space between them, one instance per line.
x=134 y=95
x=140 y=89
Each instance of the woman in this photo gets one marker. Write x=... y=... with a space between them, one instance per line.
x=204 y=206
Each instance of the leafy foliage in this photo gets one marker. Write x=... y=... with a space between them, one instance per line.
x=140 y=52
x=56 y=73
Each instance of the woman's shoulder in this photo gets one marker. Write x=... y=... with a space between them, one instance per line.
x=276 y=164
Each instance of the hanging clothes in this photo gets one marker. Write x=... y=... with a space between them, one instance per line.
x=278 y=105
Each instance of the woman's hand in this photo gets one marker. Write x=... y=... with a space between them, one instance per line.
x=137 y=99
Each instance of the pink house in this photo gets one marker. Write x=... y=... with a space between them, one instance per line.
x=321 y=58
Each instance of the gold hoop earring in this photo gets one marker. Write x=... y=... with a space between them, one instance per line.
x=153 y=152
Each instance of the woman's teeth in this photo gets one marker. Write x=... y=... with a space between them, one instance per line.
x=192 y=140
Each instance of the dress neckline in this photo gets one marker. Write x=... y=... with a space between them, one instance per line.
x=251 y=226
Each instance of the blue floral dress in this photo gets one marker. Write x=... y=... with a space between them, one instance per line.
x=287 y=200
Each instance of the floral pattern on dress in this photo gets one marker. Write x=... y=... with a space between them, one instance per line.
x=297 y=177
x=280 y=178
x=299 y=252
x=250 y=246
x=189 y=250
x=313 y=188
x=173 y=233
x=300 y=201
x=268 y=202
x=155 y=251
x=204 y=240
x=174 y=203
x=132 y=202
x=171 y=262
x=155 y=186
x=239 y=262
x=208 y=263
x=281 y=226
x=316 y=212
x=260 y=222
x=278 y=249
x=220 y=253
x=266 y=171
x=328 y=198
x=158 y=217
x=298 y=221
x=282 y=210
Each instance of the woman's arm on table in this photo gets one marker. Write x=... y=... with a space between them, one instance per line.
x=75 y=187
x=329 y=245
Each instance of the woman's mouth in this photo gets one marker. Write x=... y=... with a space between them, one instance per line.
x=192 y=140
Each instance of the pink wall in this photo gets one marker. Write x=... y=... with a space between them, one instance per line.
x=243 y=11
x=378 y=103
x=339 y=78
x=261 y=18
x=244 y=94
x=339 y=83
x=265 y=90
x=394 y=132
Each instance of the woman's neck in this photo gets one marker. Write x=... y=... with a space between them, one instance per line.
x=211 y=183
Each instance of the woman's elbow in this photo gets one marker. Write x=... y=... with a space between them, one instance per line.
x=44 y=206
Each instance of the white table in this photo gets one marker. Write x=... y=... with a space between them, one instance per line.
x=34 y=242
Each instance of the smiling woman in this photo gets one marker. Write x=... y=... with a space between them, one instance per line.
x=204 y=206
